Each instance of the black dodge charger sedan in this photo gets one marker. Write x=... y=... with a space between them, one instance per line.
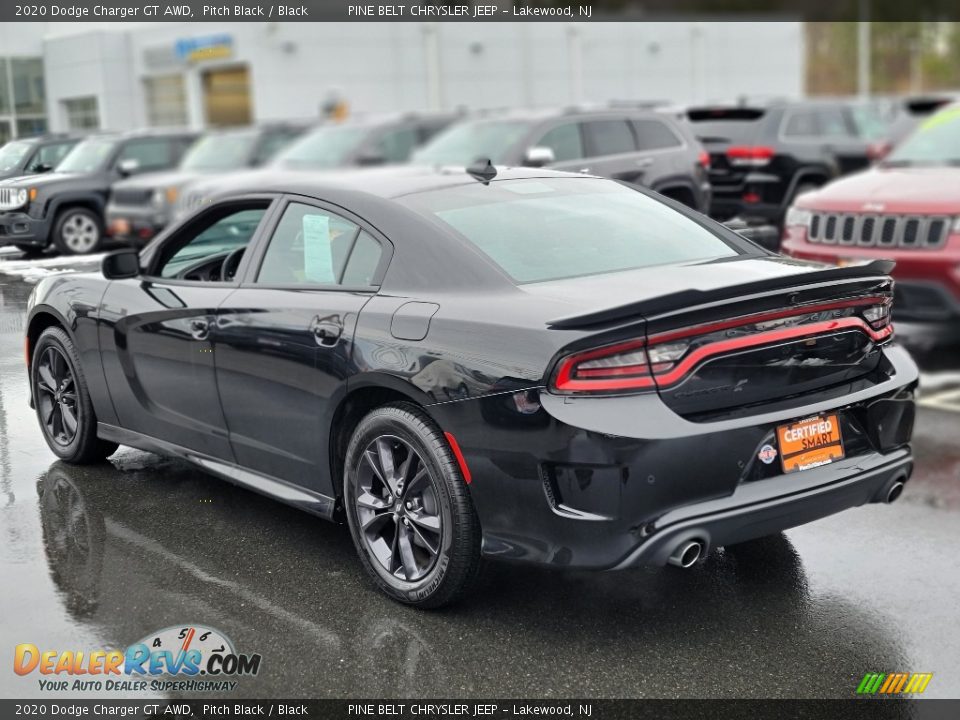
x=517 y=364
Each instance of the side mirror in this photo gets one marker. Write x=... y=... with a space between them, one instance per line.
x=368 y=158
x=128 y=166
x=121 y=264
x=42 y=167
x=539 y=156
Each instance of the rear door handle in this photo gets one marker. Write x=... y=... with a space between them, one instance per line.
x=327 y=330
x=644 y=162
x=199 y=328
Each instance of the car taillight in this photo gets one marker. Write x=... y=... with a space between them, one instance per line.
x=623 y=366
x=664 y=359
x=878 y=150
x=703 y=159
x=878 y=315
x=751 y=155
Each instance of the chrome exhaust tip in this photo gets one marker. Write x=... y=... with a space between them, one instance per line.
x=686 y=554
x=895 y=491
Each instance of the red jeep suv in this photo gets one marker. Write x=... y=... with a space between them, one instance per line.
x=907 y=209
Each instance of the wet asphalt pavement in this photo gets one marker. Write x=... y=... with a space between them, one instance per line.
x=98 y=557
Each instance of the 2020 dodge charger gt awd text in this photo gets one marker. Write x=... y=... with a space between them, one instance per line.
x=518 y=364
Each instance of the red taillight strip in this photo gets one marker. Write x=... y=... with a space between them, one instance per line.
x=566 y=382
x=461 y=461
x=766 y=338
x=665 y=337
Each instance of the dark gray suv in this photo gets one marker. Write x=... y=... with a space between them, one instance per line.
x=644 y=148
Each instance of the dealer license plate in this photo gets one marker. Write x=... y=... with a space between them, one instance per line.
x=810 y=443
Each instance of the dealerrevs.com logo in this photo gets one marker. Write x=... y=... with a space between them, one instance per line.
x=177 y=658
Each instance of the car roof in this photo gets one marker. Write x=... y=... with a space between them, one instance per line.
x=388 y=182
x=533 y=115
x=51 y=138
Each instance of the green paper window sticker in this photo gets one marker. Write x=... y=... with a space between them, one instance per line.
x=318 y=250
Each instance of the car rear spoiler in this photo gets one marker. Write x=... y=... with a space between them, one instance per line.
x=694 y=298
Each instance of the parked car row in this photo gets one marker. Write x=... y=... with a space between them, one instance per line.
x=743 y=162
x=905 y=208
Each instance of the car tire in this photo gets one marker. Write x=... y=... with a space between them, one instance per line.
x=30 y=251
x=62 y=401
x=420 y=544
x=77 y=231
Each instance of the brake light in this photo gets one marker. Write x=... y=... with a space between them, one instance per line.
x=667 y=358
x=751 y=155
x=878 y=315
x=623 y=366
x=703 y=159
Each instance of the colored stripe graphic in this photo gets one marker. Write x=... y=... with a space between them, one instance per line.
x=893 y=683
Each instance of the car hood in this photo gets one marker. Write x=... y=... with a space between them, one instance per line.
x=46 y=179
x=890 y=190
x=12 y=175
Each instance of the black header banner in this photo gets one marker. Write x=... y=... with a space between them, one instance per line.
x=471 y=10
x=413 y=709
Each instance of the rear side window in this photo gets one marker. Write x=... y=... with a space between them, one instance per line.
x=833 y=123
x=565 y=141
x=801 y=123
x=312 y=246
x=397 y=145
x=550 y=228
x=609 y=137
x=655 y=135
x=150 y=153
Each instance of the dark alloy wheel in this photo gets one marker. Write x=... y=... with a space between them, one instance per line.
x=409 y=510
x=57 y=396
x=398 y=508
x=62 y=401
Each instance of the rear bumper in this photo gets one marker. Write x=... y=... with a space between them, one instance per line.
x=774 y=505
x=606 y=483
x=19 y=228
x=135 y=223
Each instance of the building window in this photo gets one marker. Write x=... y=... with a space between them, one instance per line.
x=28 y=127
x=28 y=91
x=166 y=100
x=22 y=98
x=4 y=88
x=82 y=113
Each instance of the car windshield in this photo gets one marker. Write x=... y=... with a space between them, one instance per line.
x=88 y=156
x=465 y=143
x=220 y=151
x=325 y=147
x=12 y=154
x=548 y=229
x=935 y=142
x=872 y=120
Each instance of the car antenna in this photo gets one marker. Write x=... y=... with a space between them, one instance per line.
x=483 y=170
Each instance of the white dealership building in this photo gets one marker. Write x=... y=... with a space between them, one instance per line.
x=127 y=75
